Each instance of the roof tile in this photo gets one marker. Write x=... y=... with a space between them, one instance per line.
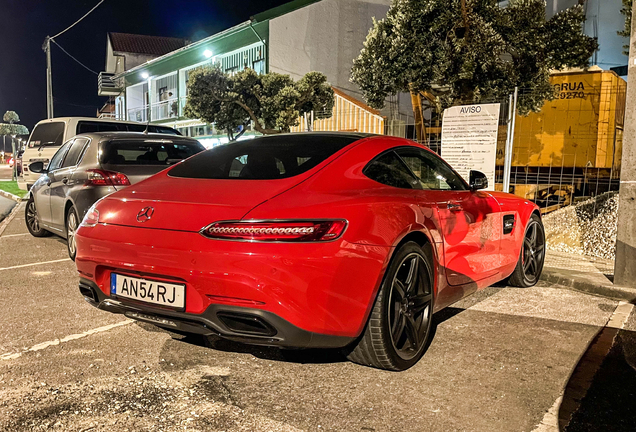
x=142 y=44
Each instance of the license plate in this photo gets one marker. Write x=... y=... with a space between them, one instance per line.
x=149 y=291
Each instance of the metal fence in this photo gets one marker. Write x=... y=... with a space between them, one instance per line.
x=566 y=153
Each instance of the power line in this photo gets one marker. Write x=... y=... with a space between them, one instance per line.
x=68 y=54
x=72 y=25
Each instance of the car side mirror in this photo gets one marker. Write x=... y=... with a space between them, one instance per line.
x=37 y=167
x=478 y=180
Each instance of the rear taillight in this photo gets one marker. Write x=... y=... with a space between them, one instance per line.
x=92 y=217
x=97 y=177
x=278 y=231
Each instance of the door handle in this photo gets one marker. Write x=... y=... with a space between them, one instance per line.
x=65 y=180
x=452 y=206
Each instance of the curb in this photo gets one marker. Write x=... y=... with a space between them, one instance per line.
x=566 y=279
x=11 y=196
x=7 y=220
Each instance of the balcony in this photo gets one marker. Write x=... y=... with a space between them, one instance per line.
x=165 y=110
x=106 y=86
x=140 y=114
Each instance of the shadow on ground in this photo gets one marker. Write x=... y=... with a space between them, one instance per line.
x=301 y=356
x=609 y=403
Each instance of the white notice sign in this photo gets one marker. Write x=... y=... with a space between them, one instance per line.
x=469 y=139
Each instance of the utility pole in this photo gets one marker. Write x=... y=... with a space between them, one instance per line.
x=46 y=46
x=625 y=266
x=49 y=81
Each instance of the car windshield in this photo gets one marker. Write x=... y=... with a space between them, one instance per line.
x=265 y=158
x=47 y=134
x=147 y=152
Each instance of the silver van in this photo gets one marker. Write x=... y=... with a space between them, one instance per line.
x=48 y=135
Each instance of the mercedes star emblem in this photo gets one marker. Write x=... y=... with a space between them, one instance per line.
x=145 y=214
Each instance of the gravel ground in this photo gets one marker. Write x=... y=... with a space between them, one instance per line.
x=587 y=228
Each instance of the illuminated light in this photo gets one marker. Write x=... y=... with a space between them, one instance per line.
x=289 y=231
x=207 y=53
x=91 y=219
x=144 y=75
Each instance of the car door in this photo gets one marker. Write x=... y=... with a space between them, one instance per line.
x=42 y=195
x=469 y=219
x=62 y=181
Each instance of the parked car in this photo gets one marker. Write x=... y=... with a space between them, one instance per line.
x=91 y=166
x=48 y=135
x=307 y=240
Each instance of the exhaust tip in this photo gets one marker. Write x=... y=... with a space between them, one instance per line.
x=246 y=324
x=89 y=294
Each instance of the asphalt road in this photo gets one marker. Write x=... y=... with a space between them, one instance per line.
x=501 y=360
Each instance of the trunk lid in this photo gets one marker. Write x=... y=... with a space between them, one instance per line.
x=186 y=204
x=135 y=173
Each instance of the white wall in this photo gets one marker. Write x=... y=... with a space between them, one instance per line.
x=111 y=59
x=326 y=37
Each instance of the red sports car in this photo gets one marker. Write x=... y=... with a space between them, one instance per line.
x=307 y=240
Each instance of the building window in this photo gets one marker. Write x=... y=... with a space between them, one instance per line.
x=259 y=66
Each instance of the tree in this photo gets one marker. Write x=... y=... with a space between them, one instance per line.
x=12 y=129
x=626 y=10
x=468 y=51
x=11 y=117
x=272 y=102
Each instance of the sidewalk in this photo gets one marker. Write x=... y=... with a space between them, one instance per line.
x=587 y=274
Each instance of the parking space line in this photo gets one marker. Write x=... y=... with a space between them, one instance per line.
x=13 y=235
x=34 y=264
x=43 y=345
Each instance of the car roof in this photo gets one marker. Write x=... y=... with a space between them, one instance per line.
x=104 y=136
x=93 y=119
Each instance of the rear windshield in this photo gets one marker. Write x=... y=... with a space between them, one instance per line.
x=266 y=158
x=47 y=134
x=93 y=126
x=138 y=152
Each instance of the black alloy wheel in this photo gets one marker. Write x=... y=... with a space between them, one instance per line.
x=410 y=310
x=532 y=257
x=399 y=326
x=32 y=220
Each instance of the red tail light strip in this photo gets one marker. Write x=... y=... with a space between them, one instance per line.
x=277 y=231
x=98 y=177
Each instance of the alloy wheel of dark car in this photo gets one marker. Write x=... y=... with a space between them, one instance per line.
x=399 y=327
x=32 y=220
x=530 y=264
x=72 y=224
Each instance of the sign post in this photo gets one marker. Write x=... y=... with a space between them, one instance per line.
x=469 y=139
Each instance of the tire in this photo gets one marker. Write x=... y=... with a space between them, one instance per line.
x=72 y=223
x=32 y=220
x=399 y=327
x=532 y=256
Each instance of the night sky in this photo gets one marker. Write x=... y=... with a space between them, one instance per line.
x=25 y=23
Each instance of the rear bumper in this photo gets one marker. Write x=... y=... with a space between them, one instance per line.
x=256 y=327
x=306 y=292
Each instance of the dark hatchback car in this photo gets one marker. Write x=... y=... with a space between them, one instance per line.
x=89 y=167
